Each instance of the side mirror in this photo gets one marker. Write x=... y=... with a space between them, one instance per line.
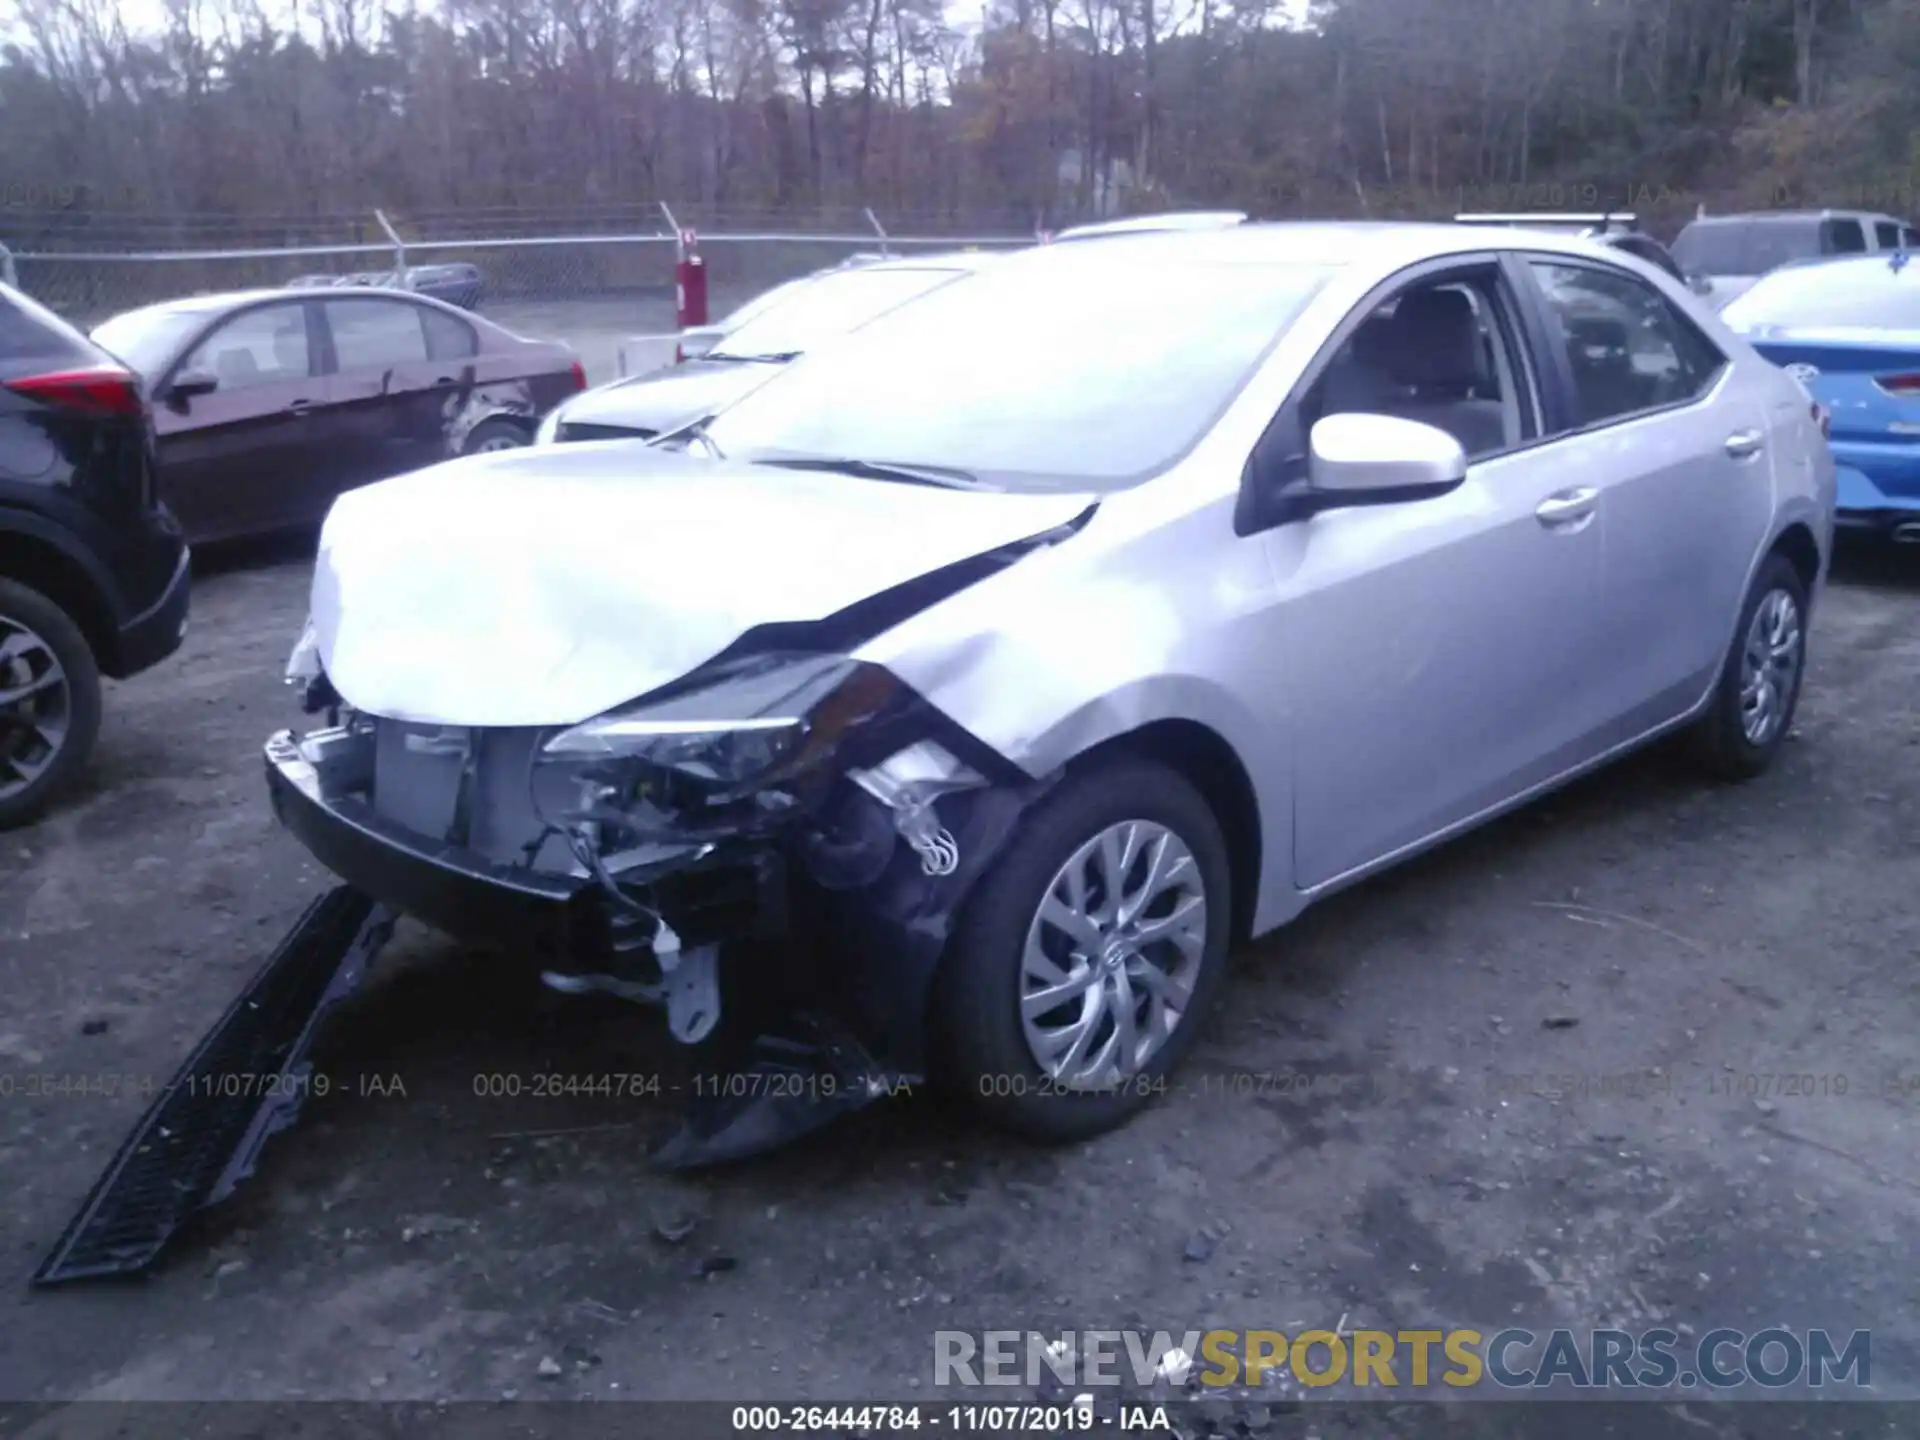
x=1379 y=459
x=189 y=383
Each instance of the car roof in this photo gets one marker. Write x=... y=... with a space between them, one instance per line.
x=236 y=299
x=938 y=260
x=1750 y=217
x=1333 y=243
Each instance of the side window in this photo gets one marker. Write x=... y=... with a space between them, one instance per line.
x=1886 y=235
x=1435 y=353
x=1909 y=238
x=1629 y=350
x=376 y=334
x=1844 y=237
x=267 y=346
x=448 y=338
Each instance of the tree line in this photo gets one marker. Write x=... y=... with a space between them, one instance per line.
x=475 y=114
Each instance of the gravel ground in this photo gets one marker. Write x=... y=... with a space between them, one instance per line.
x=396 y=1246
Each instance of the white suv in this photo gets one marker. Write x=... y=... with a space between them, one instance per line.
x=1723 y=255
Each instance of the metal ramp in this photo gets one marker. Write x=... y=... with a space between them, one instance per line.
x=245 y=1081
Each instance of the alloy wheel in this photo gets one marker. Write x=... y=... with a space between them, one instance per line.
x=1112 y=956
x=1770 y=666
x=36 y=706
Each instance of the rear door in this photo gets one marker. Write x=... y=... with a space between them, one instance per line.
x=391 y=394
x=246 y=457
x=1673 y=437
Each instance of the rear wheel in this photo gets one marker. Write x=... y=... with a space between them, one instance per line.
x=491 y=435
x=49 y=702
x=1759 y=687
x=1083 y=966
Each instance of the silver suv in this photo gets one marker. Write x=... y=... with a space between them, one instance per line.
x=1723 y=255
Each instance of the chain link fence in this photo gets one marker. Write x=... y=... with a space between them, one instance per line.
x=594 y=280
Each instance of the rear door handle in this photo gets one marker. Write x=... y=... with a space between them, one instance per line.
x=1567 y=507
x=1744 y=443
x=300 y=407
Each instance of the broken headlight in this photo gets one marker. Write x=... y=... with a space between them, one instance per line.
x=764 y=724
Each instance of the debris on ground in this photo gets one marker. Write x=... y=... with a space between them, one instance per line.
x=1206 y=1240
x=548 y=1368
x=1560 y=1022
x=715 y=1265
x=674 y=1226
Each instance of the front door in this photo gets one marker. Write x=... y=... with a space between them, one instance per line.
x=242 y=458
x=1437 y=646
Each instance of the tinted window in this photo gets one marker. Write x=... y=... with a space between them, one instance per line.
x=1845 y=237
x=1628 y=348
x=448 y=338
x=1886 y=234
x=257 y=347
x=1909 y=238
x=1868 y=292
x=1054 y=368
x=375 y=334
x=1747 y=246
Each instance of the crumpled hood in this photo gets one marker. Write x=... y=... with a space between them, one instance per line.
x=662 y=402
x=543 y=586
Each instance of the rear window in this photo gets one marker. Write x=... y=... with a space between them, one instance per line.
x=1747 y=246
x=31 y=336
x=1869 y=292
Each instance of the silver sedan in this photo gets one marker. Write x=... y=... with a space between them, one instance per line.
x=1082 y=617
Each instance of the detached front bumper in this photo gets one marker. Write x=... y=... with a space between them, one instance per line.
x=557 y=917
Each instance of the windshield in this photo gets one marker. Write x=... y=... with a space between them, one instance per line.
x=148 y=339
x=1056 y=369
x=1851 y=292
x=828 y=306
x=1745 y=247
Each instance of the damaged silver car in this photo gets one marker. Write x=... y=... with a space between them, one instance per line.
x=953 y=703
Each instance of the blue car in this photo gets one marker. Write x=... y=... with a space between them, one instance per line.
x=1848 y=329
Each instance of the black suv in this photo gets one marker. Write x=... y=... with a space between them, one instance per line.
x=93 y=572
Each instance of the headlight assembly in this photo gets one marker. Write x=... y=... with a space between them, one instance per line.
x=770 y=721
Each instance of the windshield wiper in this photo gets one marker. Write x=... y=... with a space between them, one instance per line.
x=942 y=476
x=695 y=429
x=780 y=357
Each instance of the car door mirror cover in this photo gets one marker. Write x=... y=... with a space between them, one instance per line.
x=1362 y=459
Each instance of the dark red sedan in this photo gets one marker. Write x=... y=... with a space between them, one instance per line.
x=269 y=403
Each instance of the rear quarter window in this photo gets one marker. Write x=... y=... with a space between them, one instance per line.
x=1843 y=237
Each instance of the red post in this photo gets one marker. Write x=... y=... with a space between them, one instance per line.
x=690 y=283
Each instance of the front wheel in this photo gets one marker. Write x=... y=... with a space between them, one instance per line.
x=1084 y=964
x=492 y=435
x=1759 y=687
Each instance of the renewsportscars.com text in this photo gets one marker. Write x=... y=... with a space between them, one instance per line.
x=1511 y=1359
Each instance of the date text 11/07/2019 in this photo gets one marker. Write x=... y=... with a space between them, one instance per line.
x=955 y=1419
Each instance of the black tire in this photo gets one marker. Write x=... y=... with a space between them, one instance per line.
x=1720 y=743
x=495 y=434
x=985 y=1053
x=26 y=610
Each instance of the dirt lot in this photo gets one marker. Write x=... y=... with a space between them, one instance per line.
x=395 y=1247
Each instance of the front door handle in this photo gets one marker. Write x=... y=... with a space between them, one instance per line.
x=300 y=407
x=1566 y=508
x=1744 y=443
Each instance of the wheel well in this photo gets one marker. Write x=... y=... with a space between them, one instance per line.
x=40 y=566
x=1209 y=764
x=1796 y=542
